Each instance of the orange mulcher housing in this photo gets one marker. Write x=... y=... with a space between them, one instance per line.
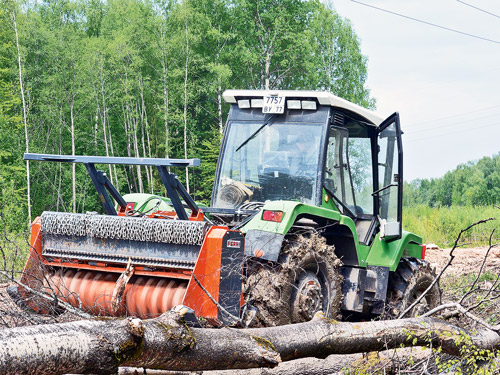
x=143 y=276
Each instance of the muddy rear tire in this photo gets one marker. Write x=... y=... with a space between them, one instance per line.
x=305 y=280
x=411 y=278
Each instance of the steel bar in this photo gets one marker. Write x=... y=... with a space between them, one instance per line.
x=113 y=160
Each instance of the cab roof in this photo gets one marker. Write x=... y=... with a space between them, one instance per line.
x=323 y=97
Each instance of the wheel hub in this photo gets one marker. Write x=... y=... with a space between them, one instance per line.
x=308 y=298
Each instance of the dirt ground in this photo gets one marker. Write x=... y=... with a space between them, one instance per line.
x=467 y=260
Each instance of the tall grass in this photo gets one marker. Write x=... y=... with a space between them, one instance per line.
x=443 y=224
x=14 y=252
x=14 y=230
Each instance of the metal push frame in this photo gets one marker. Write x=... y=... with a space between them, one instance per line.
x=175 y=190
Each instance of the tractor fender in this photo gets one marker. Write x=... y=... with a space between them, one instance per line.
x=389 y=253
x=264 y=239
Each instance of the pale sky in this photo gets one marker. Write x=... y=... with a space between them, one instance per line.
x=445 y=86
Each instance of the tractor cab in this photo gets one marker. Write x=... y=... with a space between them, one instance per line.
x=310 y=147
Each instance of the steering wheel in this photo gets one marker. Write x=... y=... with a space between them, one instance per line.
x=235 y=193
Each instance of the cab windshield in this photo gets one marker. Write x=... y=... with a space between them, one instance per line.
x=268 y=161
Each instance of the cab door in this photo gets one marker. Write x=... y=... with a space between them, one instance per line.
x=389 y=194
x=338 y=180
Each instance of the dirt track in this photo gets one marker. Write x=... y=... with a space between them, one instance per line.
x=467 y=260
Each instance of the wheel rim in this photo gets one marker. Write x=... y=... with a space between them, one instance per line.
x=307 y=298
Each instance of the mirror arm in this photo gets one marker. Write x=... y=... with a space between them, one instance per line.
x=382 y=189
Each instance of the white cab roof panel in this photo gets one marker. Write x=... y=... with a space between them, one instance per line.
x=324 y=98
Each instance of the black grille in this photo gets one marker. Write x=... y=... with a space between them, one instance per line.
x=338 y=119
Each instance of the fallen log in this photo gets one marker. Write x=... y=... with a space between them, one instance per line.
x=311 y=366
x=101 y=346
x=322 y=337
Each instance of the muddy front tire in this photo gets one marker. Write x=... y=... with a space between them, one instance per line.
x=306 y=279
x=407 y=283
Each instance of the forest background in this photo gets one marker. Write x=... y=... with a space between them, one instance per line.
x=145 y=79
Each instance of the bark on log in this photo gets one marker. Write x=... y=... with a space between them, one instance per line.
x=322 y=337
x=386 y=361
x=87 y=346
x=310 y=366
x=100 y=346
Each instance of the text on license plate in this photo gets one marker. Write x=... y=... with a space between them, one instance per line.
x=273 y=104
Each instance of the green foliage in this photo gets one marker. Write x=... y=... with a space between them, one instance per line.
x=143 y=78
x=470 y=359
x=208 y=152
x=13 y=249
x=12 y=168
x=441 y=225
x=439 y=208
x=333 y=41
x=473 y=183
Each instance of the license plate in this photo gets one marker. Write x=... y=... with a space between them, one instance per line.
x=273 y=104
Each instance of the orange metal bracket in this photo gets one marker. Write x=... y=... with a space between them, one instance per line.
x=207 y=272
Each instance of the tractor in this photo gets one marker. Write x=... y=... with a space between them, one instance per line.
x=305 y=217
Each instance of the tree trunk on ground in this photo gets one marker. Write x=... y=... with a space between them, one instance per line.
x=319 y=338
x=100 y=346
x=310 y=366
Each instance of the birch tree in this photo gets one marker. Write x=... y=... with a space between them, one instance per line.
x=25 y=113
x=275 y=39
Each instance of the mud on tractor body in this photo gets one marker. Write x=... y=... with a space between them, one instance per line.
x=305 y=216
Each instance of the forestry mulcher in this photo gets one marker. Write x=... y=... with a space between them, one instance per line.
x=305 y=217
